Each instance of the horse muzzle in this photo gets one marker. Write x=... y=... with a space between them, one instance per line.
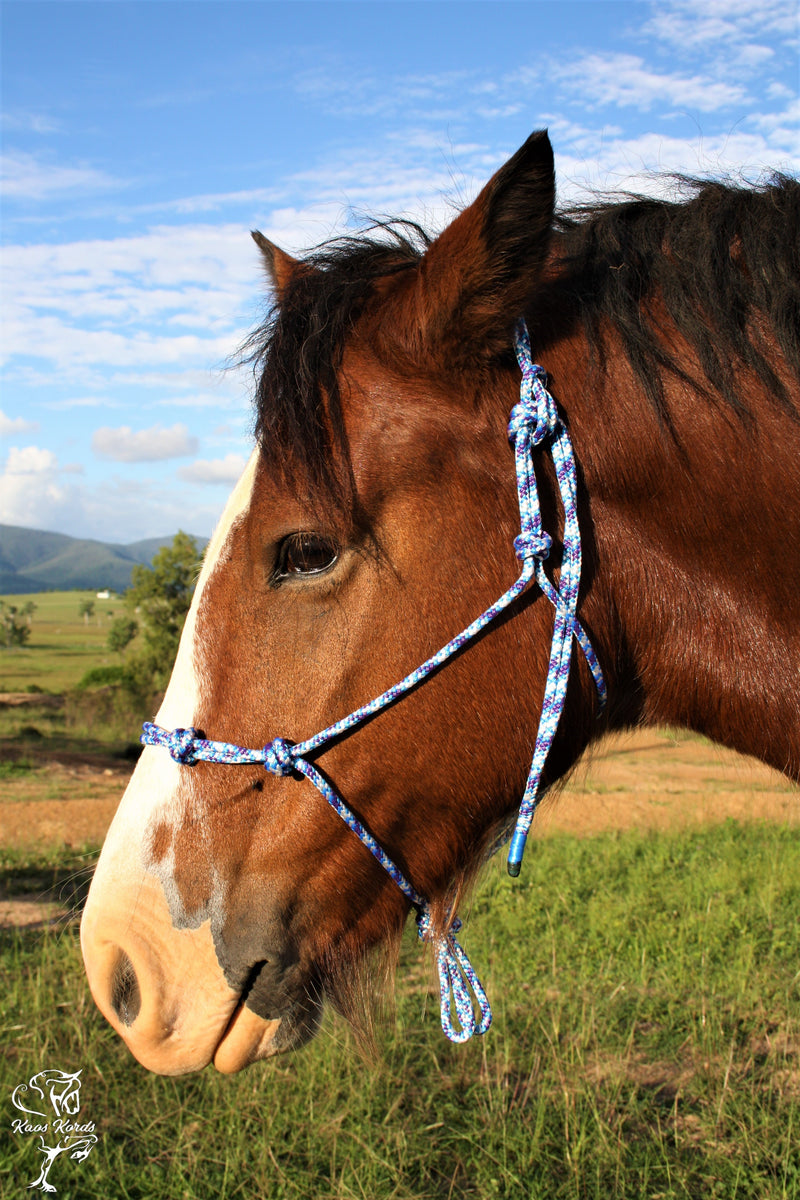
x=164 y=991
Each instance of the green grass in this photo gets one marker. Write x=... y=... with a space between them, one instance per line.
x=16 y=768
x=89 y=724
x=62 y=646
x=646 y=1044
x=62 y=650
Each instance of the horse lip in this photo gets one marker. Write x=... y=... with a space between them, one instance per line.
x=249 y=1037
x=246 y=1039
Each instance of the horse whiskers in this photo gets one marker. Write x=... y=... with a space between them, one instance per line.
x=360 y=988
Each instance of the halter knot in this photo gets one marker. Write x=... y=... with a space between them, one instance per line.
x=425 y=928
x=535 y=414
x=532 y=545
x=180 y=743
x=278 y=758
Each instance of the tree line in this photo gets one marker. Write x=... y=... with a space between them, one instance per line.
x=157 y=602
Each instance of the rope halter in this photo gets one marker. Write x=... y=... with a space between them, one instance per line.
x=534 y=421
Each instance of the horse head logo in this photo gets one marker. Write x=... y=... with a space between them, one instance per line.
x=61 y=1088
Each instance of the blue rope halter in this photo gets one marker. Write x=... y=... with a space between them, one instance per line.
x=534 y=421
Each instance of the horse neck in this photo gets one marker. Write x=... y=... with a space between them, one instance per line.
x=695 y=556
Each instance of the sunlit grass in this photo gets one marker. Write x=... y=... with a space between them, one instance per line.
x=646 y=1044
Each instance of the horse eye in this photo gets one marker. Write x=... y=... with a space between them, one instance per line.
x=305 y=554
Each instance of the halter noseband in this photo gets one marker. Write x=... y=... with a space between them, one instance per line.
x=534 y=420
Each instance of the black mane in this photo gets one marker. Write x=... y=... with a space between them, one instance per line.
x=716 y=259
x=296 y=356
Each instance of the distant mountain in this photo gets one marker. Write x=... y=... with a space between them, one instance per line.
x=34 y=561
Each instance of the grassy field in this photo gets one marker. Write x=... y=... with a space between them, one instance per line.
x=645 y=984
x=62 y=646
x=646 y=1044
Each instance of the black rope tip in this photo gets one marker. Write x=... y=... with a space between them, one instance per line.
x=514 y=869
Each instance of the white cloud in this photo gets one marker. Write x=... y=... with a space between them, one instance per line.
x=349 y=93
x=80 y=402
x=35 y=495
x=649 y=163
x=29 y=460
x=29 y=122
x=197 y=269
x=217 y=470
x=12 y=425
x=29 y=486
x=779 y=91
x=625 y=80
x=176 y=298
x=146 y=445
x=27 y=178
x=700 y=24
x=751 y=56
x=782 y=124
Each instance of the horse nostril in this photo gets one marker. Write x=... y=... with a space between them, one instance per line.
x=126 y=999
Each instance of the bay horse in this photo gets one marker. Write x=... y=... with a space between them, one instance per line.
x=379 y=515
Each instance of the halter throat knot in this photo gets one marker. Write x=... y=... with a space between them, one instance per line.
x=535 y=415
x=532 y=545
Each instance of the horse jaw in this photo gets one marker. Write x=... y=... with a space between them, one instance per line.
x=152 y=966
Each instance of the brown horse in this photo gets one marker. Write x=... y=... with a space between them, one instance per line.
x=376 y=519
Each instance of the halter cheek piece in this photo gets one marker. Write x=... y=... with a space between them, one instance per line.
x=534 y=421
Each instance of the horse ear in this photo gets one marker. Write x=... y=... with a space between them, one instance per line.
x=478 y=276
x=279 y=265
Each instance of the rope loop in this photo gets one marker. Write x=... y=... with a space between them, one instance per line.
x=460 y=990
x=278 y=757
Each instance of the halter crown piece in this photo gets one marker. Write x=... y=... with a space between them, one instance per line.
x=534 y=421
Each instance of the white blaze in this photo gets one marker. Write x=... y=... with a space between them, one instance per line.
x=153 y=792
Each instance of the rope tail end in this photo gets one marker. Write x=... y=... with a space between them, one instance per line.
x=515 y=853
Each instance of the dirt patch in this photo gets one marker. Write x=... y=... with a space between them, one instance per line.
x=71 y=823
x=14 y=751
x=56 y=804
x=30 y=913
x=30 y=700
x=666 y=1081
x=646 y=779
x=652 y=779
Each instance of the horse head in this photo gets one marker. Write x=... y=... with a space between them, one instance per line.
x=377 y=517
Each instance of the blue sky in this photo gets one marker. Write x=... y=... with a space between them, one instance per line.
x=142 y=141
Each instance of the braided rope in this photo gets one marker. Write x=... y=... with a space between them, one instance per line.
x=534 y=421
x=457 y=978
